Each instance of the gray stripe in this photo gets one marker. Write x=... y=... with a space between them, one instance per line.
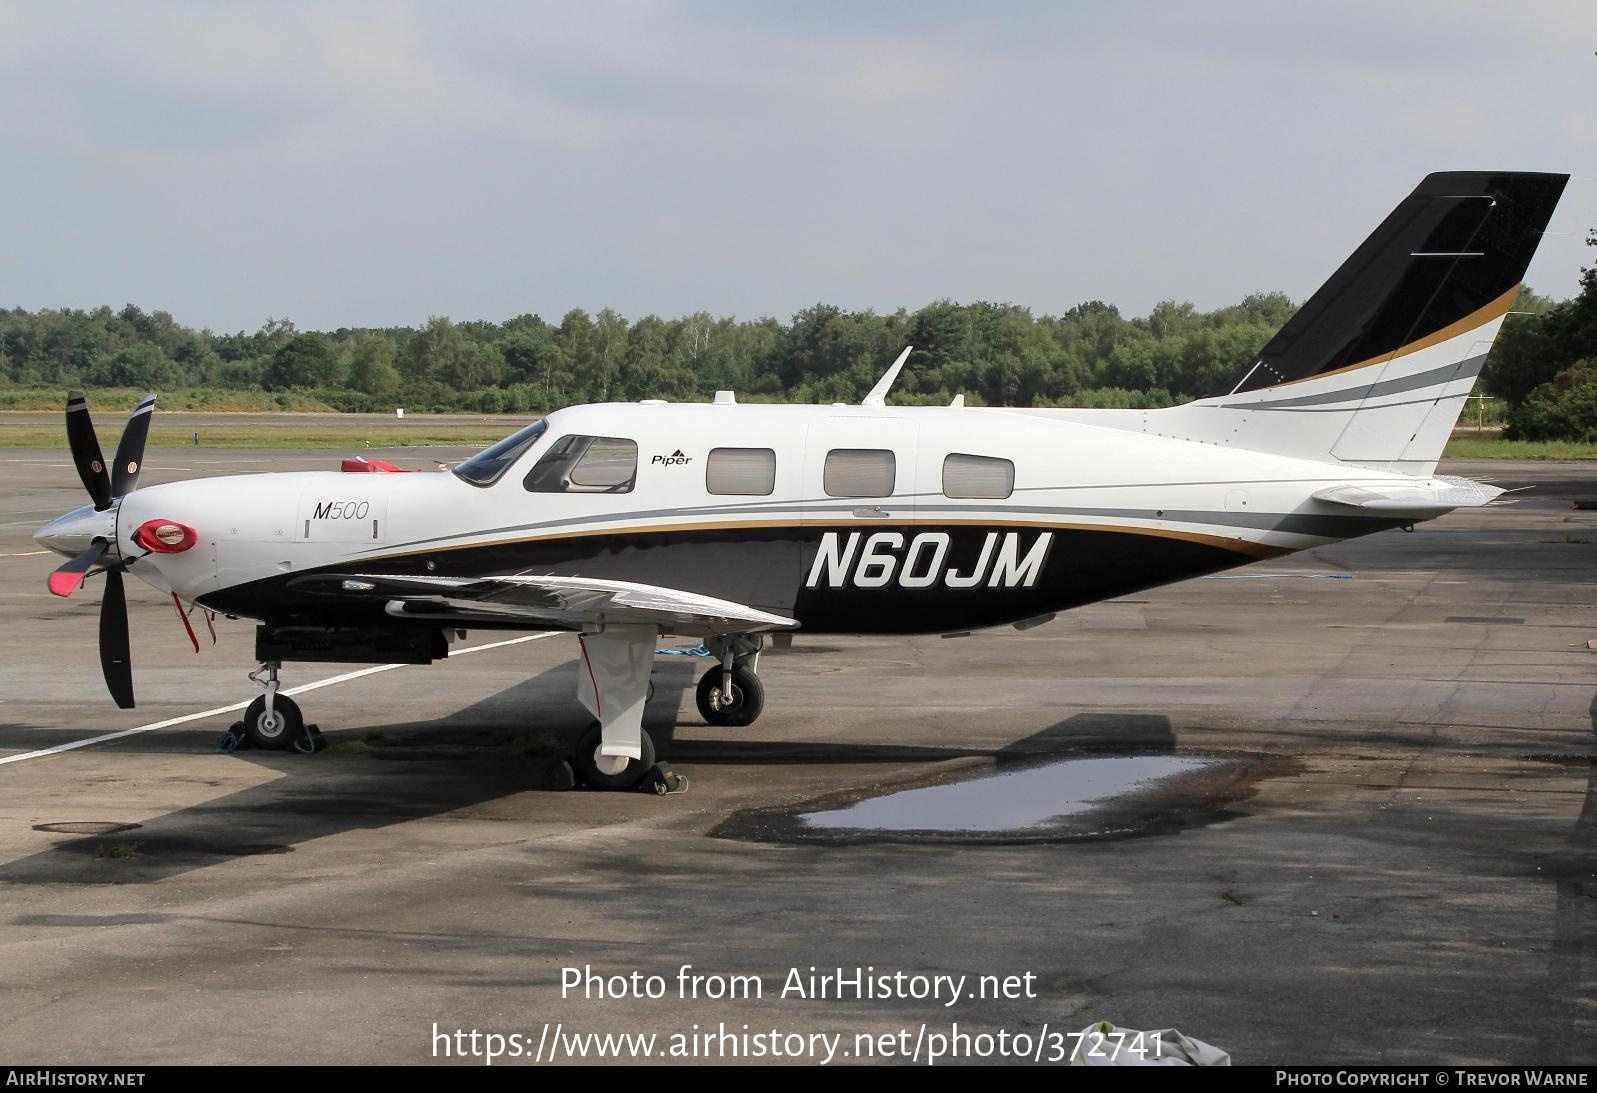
x=1352 y=409
x=1433 y=377
x=1330 y=527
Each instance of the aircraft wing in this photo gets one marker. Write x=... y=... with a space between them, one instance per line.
x=1424 y=498
x=545 y=602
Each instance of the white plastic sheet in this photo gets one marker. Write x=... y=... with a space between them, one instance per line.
x=1103 y=1044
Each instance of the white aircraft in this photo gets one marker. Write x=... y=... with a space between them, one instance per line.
x=729 y=523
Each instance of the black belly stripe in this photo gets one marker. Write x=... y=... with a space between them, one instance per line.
x=766 y=568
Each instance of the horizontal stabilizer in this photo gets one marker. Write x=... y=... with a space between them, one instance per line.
x=1431 y=497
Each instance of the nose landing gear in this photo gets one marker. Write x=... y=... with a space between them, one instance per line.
x=272 y=721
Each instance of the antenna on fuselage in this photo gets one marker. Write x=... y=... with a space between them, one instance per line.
x=878 y=395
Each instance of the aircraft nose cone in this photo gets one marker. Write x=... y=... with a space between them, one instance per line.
x=70 y=535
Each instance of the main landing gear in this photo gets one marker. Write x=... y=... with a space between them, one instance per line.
x=731 y=693
x=613 y=683
x=610 y=771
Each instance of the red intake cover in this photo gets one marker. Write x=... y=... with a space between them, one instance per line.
x=361 y=463
x=165 y=536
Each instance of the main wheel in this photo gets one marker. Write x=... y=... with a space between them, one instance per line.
x=590 y=765
x=275 y=732
x=748 y=698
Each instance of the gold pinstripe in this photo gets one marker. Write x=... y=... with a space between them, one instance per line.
x=1479 y=317
x=1237 y=545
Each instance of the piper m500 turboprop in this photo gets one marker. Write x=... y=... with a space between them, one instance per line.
x=732 y=523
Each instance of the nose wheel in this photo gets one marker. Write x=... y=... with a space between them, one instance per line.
x=272 y=721
x=275 y=728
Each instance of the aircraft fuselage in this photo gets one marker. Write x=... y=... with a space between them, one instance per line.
x=930 y=520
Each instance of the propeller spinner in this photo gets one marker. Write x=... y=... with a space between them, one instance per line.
x=88 y=535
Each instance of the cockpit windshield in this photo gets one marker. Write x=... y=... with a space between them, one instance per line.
x=487 y=466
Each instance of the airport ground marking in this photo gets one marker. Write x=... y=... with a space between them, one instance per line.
x=312 y=686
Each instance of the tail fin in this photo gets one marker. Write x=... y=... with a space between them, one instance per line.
x=1374 y=369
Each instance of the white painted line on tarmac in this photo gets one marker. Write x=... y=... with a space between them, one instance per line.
x=316 y=685
x=25 y=553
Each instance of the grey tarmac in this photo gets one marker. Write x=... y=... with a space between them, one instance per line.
x=1410 y=877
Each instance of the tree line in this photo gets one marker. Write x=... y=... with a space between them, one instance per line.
x=1544 y=367
x=996 y=354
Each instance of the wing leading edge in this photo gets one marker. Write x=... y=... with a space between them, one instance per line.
x=546 y=602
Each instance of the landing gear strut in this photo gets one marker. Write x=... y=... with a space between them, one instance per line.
x=272 y=721
x=732 y=694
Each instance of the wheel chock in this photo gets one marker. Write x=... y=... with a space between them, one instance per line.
x=660 y=779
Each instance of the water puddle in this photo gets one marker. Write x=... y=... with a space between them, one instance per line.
x=1090 y=797
x=1007 y=802
x=86 y=827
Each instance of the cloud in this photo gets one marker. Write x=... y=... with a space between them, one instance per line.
x=369 y=163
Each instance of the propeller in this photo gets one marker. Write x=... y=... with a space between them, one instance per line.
x=115 y=656
x=106 y=487
x=86 y=451
x=65 y=581
x=130 y=449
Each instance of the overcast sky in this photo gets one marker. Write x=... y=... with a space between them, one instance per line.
x=342 y=164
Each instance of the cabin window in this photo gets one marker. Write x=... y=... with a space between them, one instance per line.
x=977 y=476
x=859 y=472
x=487 y=466
x=586 y=464
x=743 y=472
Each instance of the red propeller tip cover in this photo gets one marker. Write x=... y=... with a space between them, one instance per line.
x=64 y=584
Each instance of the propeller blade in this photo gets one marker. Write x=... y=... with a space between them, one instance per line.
x=130 y=450
x=86 y=451
x=115 y=657
x=65 y=581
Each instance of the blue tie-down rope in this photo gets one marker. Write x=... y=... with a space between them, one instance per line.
x=231 y=741
x=696 y=651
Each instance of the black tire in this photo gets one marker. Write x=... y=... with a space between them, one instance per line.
x=748 y=698
x=285 y=727
x=585 y=762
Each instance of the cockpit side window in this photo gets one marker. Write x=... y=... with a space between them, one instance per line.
x=586 y=464
x=489 y=465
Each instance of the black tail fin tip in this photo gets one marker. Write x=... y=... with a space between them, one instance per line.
x=1450 y=257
